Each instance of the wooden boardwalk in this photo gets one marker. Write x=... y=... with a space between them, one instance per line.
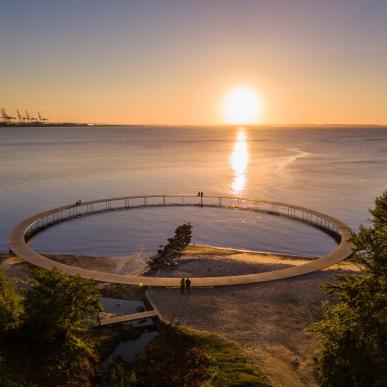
x=19 y=236
x=127 y=317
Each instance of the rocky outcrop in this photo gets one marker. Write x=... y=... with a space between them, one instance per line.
x=166 y=255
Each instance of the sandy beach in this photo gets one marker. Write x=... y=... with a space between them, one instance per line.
x=269 y=320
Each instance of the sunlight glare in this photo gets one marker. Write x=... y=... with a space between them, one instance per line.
x=242 y=107
x=239 y=160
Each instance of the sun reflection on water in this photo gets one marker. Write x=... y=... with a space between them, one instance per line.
x=239 y=160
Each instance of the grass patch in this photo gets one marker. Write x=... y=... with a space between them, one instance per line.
x=229 y=366
x=184 y=357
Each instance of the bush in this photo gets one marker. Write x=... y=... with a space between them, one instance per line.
x=120 y=374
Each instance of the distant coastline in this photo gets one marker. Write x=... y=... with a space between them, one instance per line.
x=38 y=124
x=54 y=124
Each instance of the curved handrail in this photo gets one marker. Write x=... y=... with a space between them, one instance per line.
x=19 y=235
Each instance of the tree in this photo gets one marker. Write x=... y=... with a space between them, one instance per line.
x=353 y=333
x=11 y=307
x=57 y=303
x=59 y=308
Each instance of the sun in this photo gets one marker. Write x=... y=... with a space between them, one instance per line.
x=242 y=106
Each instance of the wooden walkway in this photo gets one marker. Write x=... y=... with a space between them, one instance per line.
x=29 y=227
x=127 y=317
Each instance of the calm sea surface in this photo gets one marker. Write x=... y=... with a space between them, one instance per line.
x=335 y=170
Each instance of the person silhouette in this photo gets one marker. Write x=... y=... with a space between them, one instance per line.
x=188 y=286
x=182 y=285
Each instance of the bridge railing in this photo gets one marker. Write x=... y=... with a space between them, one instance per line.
x=61 y=214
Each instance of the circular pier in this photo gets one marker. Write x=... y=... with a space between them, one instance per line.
x=26 y=229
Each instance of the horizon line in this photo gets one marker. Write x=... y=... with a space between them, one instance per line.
x=239 y=125
x=88 y=123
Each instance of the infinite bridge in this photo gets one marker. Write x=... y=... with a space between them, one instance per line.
x=29 y=227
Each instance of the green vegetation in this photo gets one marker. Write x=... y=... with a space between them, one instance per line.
x=183 y=357
x=47 y=340
x=120 y=374
x=52 y=340
x=353 y=333
x=11 y=307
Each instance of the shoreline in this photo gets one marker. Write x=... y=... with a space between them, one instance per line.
x=207 y=259
x=258 y=252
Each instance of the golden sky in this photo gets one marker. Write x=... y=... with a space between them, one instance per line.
x=174 y=62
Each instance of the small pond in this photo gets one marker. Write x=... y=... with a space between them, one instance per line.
x=128 y=350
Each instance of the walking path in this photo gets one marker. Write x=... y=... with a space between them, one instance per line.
x=127 y=317
x=31 y=226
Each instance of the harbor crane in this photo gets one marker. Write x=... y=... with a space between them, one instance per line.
x=6 y=116
x=29 y=118
x=42 y=118
x=20 y=116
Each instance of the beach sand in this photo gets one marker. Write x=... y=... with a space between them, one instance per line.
x=269 y=320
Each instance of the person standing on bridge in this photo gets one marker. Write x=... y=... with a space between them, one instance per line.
x=188 y=286
x=182 y=285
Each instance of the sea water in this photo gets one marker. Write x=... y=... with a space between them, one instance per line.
x=339 y=171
